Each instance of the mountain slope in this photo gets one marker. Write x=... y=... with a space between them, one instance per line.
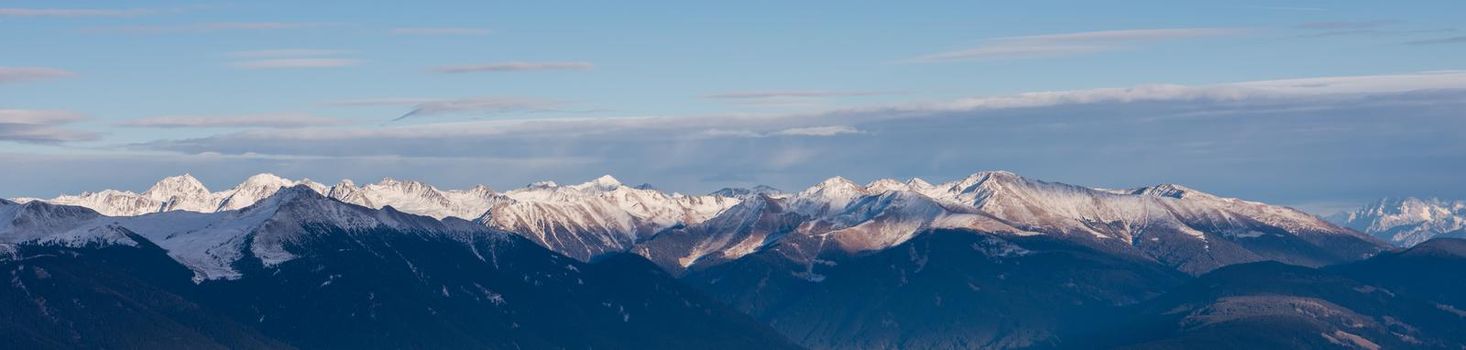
x=1179 y=227
x=1183 y=228
x=942 y=289
x=110 y=297
x=599 y=217
x=1403 y=299
x=304 y=270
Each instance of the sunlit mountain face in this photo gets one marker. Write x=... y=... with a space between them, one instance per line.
x=815 y=174
x=888 y=264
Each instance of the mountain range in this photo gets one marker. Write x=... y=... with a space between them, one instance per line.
x=1407 y=221
x=992 y=260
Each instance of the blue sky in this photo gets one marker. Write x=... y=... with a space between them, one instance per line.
x=694 y=96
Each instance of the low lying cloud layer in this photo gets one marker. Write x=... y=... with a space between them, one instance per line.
x=442 y=31
x=514 y=67
x=73 y=12
x=1333 y=136
x=205 y=27
x=290 y=63
x=24 y=74
x=40 y=126
x=1068 y=44
x=278 y=120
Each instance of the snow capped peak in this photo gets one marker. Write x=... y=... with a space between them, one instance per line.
x=887 y=185
x=836 y=182
x=1165 y=190
x=603 y=183
x=182 y=192
x=290 y=194
x=827 y=197
x=917 y=182
x=264 y=180
x=745 y=193
x=181 y=185
x=1408 y=221
x=258 y=187
x=403 y=185
x=606 y=180
x=543 y=184
x=480 y=190
x=987 y=179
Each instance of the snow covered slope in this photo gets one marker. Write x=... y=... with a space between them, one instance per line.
x=1185 y=228
x=1408 y=221
x=1180 y=227
x=182 y=192
x=583 y=221
x=211 y=244
x=597 y=217
x=44 y=223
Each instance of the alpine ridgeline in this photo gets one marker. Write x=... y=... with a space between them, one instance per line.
x=887 y=264
x=1407 y=221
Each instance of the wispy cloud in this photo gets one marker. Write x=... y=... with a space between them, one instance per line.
x=481 y=105
x=73 y=12
x=296 y=63
x=1264 y=89
x=1337 y=25
x=819 y=131
x=208 y=27
x=1211 y=136
x=1448 y=40
x=791 y=94
x=443 y=31
x=378 y=102
x=1289 y=8
x=277 y=120
x=21 y=74
x=292 y=59
x=514 y=67
x=276 y=53
x=1069 y=44
x=1379 y=27
x=816 y=131
x=40 y=126
x=1302 y=91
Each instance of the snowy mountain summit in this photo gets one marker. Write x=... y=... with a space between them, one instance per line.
x=1407 y=221
x=1185 y=228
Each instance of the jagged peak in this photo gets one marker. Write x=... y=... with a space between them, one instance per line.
x=265 y=179
x=917 y=182
x=481 y=190
x=408 y=184
x=884 y=185
x=834 y=183
x=346 y=183
x=607 y=180
x=543 y=184
x=289 y=194
x=742 y=192
x=106 y=192
x=48 y=209
x=603 y=183
x=185 y=183
x=987 y=179
x=1164 y=190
